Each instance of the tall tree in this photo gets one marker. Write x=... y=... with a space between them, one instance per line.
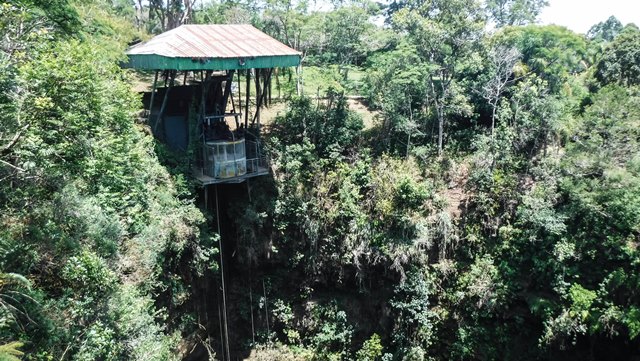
x=501 y=61
x=605 y=30
x=290 y=22
x=552 y=52
x=620 y=62
x=345 y=28
x=446 y=34
x=170 y=14
x=514 y=12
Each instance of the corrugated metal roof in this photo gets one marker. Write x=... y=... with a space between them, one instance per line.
x=213 y=41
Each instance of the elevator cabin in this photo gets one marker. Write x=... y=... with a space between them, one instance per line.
x=195 y=104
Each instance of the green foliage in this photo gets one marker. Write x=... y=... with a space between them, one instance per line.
x=279 y=353
x=332 y=334
x=347 y=29
x=446 y=35
x=552 y=52
x=514 y=12
x=88 y=274
x=395 y=85
x=605 y=30
x=11 y=352
x=371 y=349
x=632 y=321
x=516 y=244
x=414 y=320
x=284 y=317
x=88 y=213
x=331 y=129
x=619 y=63
x=61 y=13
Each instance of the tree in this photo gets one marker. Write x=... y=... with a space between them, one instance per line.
x=170 y=14
x=345 y=29
x=620 y=63
x=332 y=129
x=396 y=86
x=501 y=61
x=606 y=30
x=289 y=21
x=446 y=33
x=226 y=12
x=552 y=52
x=601 y=188
x=514 y=12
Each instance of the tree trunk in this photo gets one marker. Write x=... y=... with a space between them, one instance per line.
x=440 y=131
x=493 y=118
x=299 y=79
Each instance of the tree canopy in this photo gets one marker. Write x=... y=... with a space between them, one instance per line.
x=447 y=180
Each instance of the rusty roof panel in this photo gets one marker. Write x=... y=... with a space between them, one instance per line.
x=213 y=41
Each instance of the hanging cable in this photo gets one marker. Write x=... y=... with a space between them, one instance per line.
x=221 y=330
x=224 y=291
x=253 y=329
x=266 y=310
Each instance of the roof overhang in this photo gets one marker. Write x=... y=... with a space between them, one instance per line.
x=159 y=62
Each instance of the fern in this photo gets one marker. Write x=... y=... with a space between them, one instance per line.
x=10 y=352
x=14 y=279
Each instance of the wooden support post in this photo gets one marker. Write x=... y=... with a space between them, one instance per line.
x=206 y=198
x=239 y=94
x=261 y=97
x=153 y=94
x=256 y=118
x=227 y=92
x=299 y=85
x=278 y=84
x=246 y=105
x=159 y=119
x=203 y=110
x=235 y=113
x=268 y=85
x=222 y=353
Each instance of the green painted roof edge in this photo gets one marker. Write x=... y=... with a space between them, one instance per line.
x=159 y=62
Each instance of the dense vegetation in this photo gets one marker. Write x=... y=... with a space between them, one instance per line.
x=490 y=211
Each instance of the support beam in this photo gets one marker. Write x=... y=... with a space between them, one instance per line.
x=239 y=94
x=278 y=84
x=153 y=94
x=248 y=94
x=262 y=97
x=258 y=98
x=236 y=115
x=227 y=91
x=269 y=88
x=160 y=117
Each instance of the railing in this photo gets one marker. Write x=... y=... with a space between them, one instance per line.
x=255 y=165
